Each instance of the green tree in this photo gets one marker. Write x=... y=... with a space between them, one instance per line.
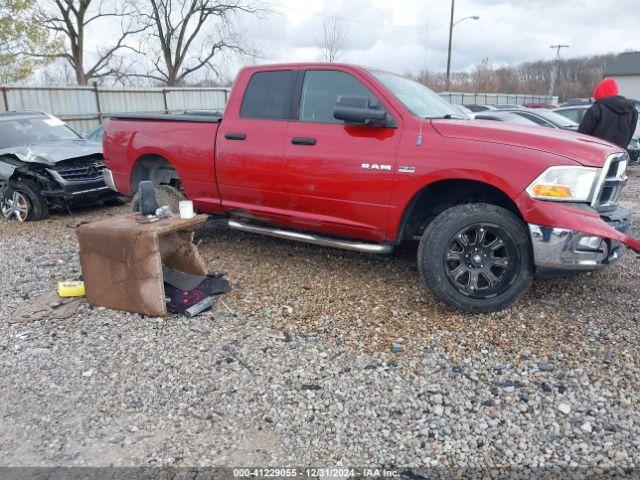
x=19 y=36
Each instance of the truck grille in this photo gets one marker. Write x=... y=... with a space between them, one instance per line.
x=80 y=171
x=611 y=181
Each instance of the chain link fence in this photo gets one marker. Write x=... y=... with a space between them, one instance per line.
x=460 y=98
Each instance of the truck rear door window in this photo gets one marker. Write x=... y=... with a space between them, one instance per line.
x=320 y=92
x=268 y=95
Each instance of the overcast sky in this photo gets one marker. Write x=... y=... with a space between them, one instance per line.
x=508 y=31
x=415 y=32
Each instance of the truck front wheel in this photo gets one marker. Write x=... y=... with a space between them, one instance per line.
x=476 y=257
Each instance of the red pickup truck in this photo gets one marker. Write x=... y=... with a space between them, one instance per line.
x=356 y=158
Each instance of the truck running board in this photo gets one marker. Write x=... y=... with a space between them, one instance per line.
x=313 y=239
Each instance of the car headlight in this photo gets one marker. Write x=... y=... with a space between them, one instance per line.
x=565 y=184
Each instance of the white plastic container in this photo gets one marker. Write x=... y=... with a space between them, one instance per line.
x=186 y=209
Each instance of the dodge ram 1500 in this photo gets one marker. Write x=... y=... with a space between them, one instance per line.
x=356 y=158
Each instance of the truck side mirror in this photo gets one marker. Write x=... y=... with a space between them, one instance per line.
x=359 y=111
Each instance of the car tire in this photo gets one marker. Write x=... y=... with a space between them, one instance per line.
x=28 y=196
x=165 y=195
x=476 y=257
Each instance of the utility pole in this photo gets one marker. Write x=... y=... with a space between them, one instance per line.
x=448 y=83
x=451 y=25
x=554 y=72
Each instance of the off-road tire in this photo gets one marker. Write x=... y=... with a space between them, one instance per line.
x=165 y=195
x=38 y=208
x=437 y=270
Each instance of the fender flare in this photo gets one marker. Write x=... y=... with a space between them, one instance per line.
x=479 y=177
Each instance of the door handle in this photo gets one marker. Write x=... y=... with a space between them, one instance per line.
x=235 y=136
x=303 y=141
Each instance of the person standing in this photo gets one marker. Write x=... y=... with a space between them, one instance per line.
x=612 y=117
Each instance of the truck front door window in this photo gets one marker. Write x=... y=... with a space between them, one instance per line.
x=320 y=92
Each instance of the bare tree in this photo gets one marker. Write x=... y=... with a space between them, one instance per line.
x=577 y=77
x=70 y=20
x=483 y=76
x=57 y=72
x=334 y=34
x=187 y=35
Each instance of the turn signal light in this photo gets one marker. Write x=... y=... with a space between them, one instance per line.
x=558 y=191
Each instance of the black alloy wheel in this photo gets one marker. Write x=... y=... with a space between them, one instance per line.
x=482 y=260
x=476 y=257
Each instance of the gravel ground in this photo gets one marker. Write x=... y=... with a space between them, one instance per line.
x=318 y=357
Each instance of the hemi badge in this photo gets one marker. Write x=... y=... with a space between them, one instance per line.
x=406 y=169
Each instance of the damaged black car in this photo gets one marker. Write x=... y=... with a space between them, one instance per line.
x=44 y=164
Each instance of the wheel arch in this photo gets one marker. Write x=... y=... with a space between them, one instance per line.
x=156 y=168
x=436 y=197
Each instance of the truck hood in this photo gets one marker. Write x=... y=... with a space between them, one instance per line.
x=586 y=150
x=50 y=153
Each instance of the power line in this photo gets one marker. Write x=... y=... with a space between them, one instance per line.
x=365 y=22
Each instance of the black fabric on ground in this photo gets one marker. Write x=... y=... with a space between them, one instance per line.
x=181 y=300
x=181 y=280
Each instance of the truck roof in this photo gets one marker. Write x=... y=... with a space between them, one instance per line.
x=306 y=65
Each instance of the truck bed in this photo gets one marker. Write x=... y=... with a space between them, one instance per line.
x=186 y=142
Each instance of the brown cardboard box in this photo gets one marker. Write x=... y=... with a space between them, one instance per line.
x=122 y=260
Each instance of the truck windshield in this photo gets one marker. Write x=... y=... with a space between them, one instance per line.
x=419 y=100
x=27 y=131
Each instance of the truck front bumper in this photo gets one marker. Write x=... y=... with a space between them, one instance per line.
x=565 y=249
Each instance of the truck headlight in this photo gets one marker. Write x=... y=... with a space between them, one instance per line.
x=565 y=184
